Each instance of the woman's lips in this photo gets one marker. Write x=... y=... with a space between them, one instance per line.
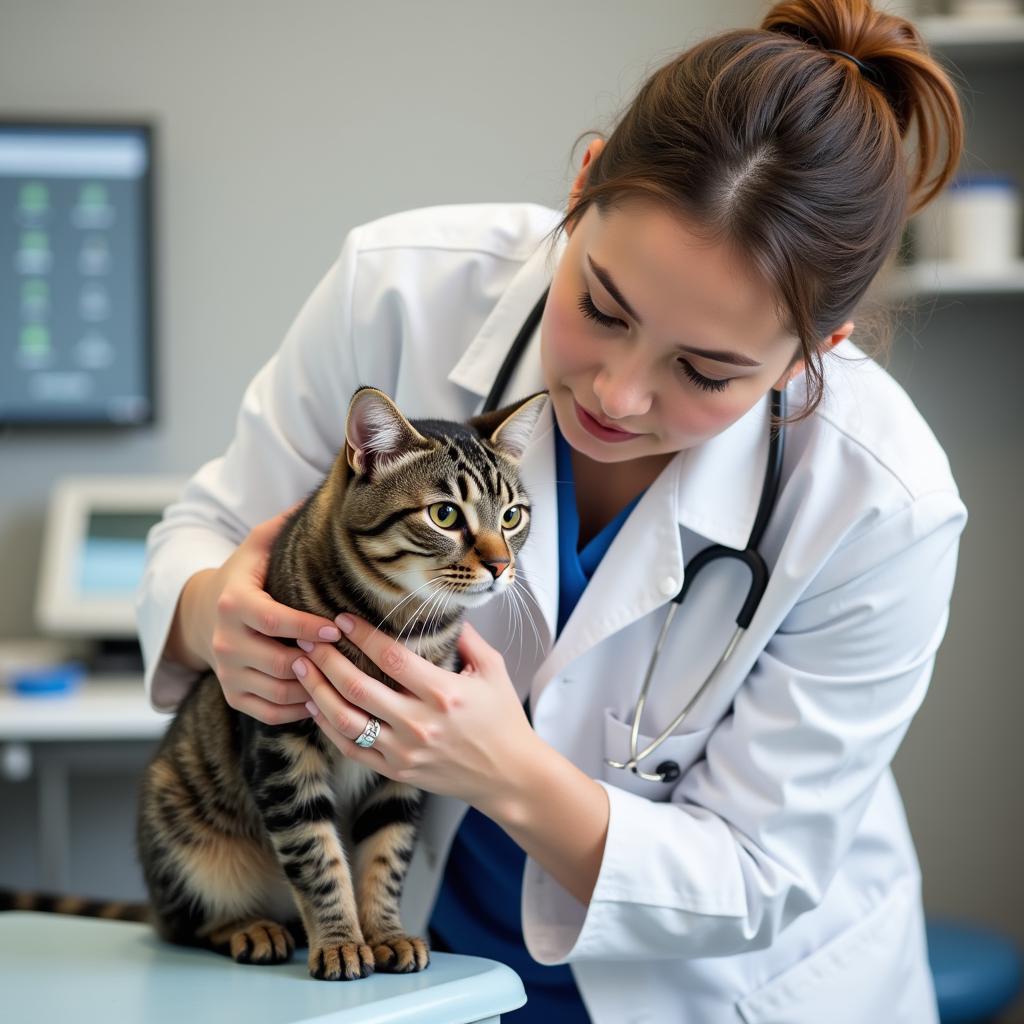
x=593 y=427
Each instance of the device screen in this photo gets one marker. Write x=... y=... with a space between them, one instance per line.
x=74 y=274
x=113 y=552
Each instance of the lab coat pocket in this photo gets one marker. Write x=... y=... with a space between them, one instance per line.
x=844 y=981
x=673 y=757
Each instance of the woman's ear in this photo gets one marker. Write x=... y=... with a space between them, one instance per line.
x=593 y=150
x=799 y=364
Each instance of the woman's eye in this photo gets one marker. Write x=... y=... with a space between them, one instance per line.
x=444 y=513
x=510 y=518
x=704 y=383
x=588 y=309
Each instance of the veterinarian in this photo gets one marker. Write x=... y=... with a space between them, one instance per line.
x=756 y=866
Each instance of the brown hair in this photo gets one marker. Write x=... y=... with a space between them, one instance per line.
x=792 y=155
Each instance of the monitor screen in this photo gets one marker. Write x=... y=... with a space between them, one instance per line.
x=113 y=553
x=75 y=273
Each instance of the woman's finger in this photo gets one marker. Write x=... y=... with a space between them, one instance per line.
x=273 y=691
x=271 y=657
x=344 y=679
x=344 y=718
x=372 y=757
x=269 y=617
x=420 y=677
x=271 y=714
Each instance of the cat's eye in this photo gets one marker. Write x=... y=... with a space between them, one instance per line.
x=511 y=516
x=444 y=514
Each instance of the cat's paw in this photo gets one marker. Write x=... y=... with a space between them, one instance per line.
x=261 y=942
x=340 y=961
x=399 y=954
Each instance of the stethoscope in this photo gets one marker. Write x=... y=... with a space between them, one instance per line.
x=668 y=771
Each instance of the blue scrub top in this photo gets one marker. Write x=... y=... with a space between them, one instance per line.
x=478 y=905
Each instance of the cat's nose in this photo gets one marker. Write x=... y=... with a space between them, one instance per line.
x=496 y=565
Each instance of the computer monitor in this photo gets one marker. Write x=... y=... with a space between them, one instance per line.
x=94 y=549
x=76 y=296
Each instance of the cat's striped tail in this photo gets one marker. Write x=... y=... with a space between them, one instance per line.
x=79 y=906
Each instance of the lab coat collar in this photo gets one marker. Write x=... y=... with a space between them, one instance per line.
x=479 y=364
x=717 y=483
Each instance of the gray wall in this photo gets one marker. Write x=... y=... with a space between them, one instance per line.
x=283 y=125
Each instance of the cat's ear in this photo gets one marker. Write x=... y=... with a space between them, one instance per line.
x=510 y=427
x=377 y=435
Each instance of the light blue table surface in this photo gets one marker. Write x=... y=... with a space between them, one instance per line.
x=54 y=967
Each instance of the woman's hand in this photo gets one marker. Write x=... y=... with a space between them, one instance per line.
x=457 y=734
x=233 y=625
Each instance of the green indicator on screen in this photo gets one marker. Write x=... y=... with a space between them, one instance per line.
x=34 y=197
x=35 y=339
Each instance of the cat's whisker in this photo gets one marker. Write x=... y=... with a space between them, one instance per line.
x=519 y=590
x=404 y=599
x=410 y=622
x=520 y=609
x=417 y=615
x=535 y=580
x=449 y=597
x=440 y=598
x=529 y=589
x=516 y=602
x=524 y=613
x=509 y=595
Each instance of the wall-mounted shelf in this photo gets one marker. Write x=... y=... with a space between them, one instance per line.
x=948 y=278
x=974 y=38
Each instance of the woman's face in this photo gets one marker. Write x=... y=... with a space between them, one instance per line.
x=631 y=360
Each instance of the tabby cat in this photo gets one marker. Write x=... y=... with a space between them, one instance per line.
x=254 y=838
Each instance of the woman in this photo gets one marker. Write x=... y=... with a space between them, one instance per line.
x=716 y=246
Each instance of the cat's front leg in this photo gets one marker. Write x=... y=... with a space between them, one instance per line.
x=290 y=776
x=384 y=835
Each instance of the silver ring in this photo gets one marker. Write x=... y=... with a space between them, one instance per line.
x=369 y=734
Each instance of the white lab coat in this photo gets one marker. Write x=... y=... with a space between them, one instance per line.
x=775 y=880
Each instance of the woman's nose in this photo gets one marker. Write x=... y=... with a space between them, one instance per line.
x=623 y=391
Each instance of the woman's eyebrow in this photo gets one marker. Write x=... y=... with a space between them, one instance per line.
x=719 y=355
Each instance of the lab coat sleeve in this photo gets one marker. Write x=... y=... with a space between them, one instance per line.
x=288 y=430
x=754 y=832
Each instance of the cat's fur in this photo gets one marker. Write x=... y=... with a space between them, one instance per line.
x=254 y=838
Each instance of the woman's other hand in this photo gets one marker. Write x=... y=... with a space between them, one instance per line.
x=231 y=623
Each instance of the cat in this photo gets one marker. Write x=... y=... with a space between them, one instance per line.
x=255 y=838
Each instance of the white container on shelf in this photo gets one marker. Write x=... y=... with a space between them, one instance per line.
x=983 y=215
x=930 y=230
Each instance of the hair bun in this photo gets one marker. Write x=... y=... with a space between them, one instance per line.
x=853 y=29
x=915 y=87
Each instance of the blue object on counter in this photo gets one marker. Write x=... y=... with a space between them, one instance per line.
x=48 y=680
x=977 y=970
